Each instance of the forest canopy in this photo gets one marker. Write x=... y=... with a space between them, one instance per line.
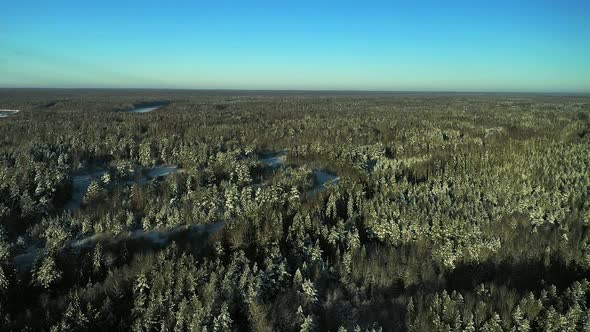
x=260 y=211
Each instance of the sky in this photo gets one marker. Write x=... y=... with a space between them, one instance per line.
x=450 y=45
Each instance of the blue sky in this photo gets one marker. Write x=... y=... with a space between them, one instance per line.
x=343 y=45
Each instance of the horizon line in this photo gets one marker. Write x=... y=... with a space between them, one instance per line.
x=358 y=91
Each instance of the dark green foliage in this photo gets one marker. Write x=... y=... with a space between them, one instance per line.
x=451 y=213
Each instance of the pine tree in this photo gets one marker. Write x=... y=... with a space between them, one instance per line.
x=48 y=273
x=223 y=322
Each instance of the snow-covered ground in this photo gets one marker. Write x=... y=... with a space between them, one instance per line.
x=5 y=113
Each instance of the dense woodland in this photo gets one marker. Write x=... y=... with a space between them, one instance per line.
x=453 y=212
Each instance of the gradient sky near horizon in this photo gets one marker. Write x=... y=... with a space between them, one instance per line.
x=521 y=46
